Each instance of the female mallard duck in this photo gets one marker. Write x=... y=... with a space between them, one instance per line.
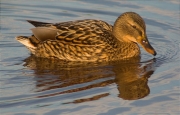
x=89 y=40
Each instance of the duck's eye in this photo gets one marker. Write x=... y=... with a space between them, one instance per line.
x=144 y=41
x=134 y=26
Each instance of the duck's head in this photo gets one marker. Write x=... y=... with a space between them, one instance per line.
x=130 y=27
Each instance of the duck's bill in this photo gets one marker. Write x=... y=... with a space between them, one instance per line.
x=147 y=46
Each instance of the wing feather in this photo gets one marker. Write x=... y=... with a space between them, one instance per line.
x=84 y=32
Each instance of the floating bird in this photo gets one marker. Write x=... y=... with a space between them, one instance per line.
x=89 y=40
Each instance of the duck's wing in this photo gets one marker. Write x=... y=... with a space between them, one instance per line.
x=44 y=33
x=43 y=30
x=85 y=32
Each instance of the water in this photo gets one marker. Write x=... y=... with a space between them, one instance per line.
x=35 y=87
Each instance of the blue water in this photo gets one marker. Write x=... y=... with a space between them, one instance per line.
x=36 y=87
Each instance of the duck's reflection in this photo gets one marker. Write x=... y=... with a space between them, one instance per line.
x=131 y=77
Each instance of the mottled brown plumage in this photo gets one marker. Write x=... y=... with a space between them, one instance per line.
x=89 y=40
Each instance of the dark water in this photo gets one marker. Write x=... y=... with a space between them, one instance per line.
x=30 y=86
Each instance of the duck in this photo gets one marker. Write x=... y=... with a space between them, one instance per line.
x=89 y=39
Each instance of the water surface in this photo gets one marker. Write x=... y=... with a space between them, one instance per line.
x=30 y=86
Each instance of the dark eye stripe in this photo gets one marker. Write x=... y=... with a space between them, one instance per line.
x=135 y=27
x=139 y=31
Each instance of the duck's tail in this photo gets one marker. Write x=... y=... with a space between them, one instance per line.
x=30 y=42
x=38 y=24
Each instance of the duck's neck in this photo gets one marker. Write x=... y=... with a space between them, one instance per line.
x=127 y=50
x=131 y=49
x=119 y=34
